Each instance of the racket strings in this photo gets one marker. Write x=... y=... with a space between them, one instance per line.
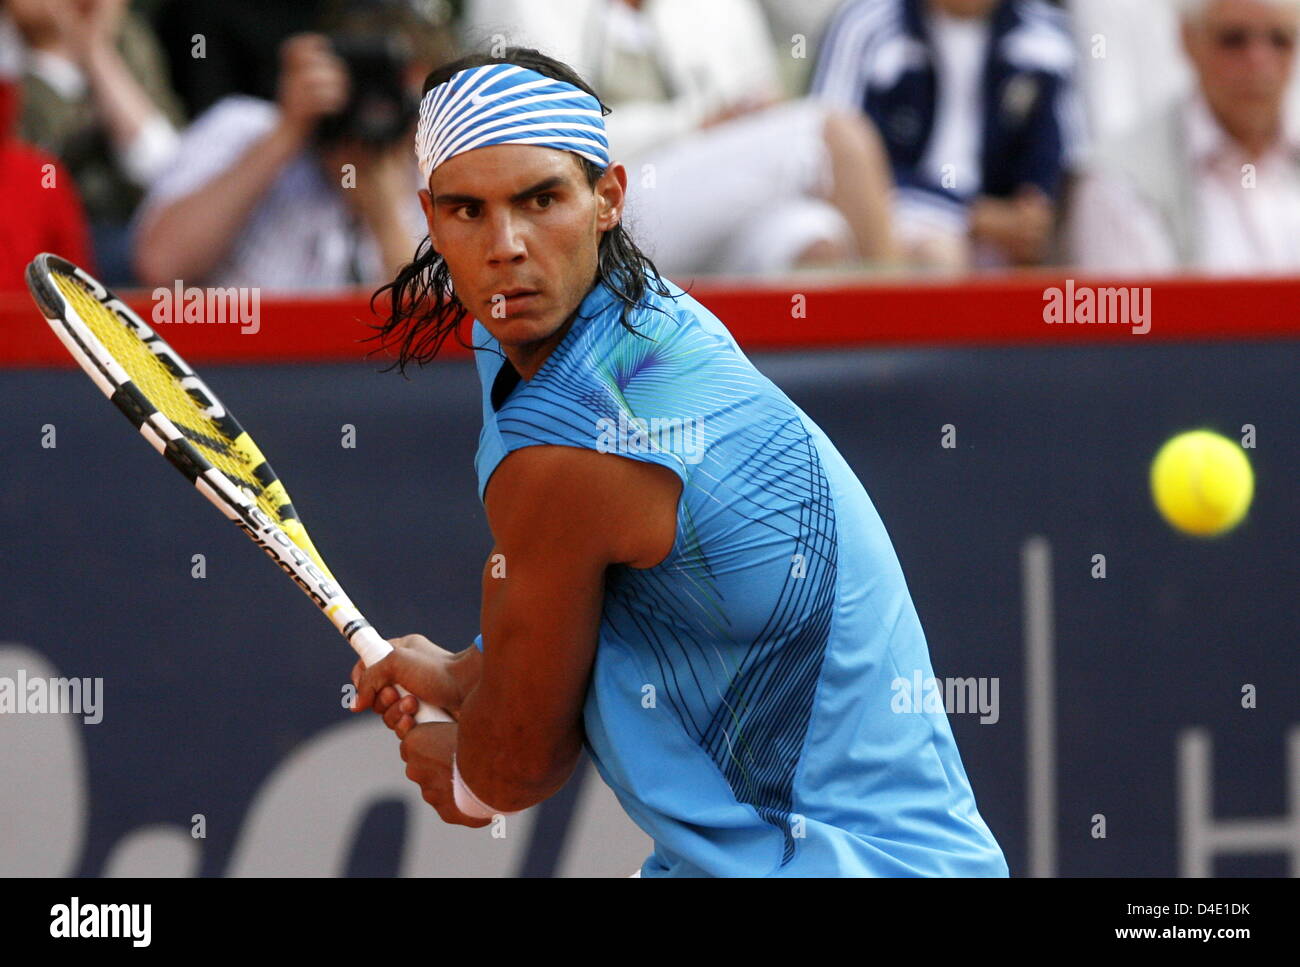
x=158 y=380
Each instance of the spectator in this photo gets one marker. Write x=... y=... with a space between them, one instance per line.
x=1135 y=63
x=261 y=196
x=96 y=95
x=1212 y=182
x=42 y=210
x=726 y=175
x=977 y=104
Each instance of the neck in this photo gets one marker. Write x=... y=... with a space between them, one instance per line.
x=1253 y=139
x=528 y=359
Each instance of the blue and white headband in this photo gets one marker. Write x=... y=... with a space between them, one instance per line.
x=507 y=104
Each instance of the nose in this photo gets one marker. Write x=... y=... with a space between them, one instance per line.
x=505 y=239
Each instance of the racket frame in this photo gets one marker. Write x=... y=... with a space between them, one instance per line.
x=235 y=503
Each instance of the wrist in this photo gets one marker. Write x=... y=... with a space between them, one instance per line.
x=465 y=669
x=464 y=797
x=97 y=54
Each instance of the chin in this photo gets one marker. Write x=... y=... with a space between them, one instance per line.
x=521 y=330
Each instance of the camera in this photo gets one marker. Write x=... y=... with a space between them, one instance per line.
x=380 y=109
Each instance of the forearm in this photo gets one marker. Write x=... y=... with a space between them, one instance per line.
x=522 y=728
x=121 y=100
x=506 y=766
x=503 y=766
x=395 y=249
x=383 y=185
x=190 y=235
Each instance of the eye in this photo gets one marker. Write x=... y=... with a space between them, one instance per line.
x=545 y=196
x=461 y=208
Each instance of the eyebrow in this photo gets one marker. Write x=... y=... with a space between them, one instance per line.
x=555 y=181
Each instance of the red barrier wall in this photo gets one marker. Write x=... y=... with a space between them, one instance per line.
x=1000 y=310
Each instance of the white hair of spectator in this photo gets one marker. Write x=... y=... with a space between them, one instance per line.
x=1195 y=9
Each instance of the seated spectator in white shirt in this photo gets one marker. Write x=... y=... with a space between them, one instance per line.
x=725 y=174
x=1212 y=183
x=255 y=197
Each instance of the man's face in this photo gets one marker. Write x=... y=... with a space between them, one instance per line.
x=520 y=217
x=1243 y=51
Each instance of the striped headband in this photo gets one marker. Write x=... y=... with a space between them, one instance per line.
x=507 y=104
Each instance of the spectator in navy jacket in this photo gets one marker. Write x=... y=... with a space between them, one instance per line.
x=977 y=103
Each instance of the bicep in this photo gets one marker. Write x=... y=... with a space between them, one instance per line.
x=560 y=518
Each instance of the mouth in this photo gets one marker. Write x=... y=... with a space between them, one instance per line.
x=518 y=300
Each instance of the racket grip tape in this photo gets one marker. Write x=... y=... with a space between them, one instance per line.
x=372 y=649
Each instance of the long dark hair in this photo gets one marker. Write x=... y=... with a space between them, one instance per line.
x=422 y=310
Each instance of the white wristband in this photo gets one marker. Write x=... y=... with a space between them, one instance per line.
x=468 y=803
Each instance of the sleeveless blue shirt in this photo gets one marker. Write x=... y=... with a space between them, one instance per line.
x=742 y=704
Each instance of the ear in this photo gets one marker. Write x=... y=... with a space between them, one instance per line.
x=611 y=193
x=426 y=203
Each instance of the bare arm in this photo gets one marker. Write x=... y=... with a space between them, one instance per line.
x=125 y=106
x=383 y=186
x=89 y=32
x=561 y=516
x=188 y=237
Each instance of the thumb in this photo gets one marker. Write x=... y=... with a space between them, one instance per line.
x=357 y=670
x=377 y=677
x=425 y=670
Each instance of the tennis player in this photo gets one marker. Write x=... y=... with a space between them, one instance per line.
x=687 y=577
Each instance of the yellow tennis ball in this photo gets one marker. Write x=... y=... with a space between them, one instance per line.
x=1202 y=483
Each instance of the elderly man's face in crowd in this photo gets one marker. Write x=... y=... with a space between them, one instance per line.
x=520 y=216
x=1243 y=51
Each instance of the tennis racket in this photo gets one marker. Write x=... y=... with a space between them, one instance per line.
x=184 y=421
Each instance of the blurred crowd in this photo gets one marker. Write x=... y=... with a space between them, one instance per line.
x=269 y=142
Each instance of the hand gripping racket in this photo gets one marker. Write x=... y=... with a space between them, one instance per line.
x=184 y=421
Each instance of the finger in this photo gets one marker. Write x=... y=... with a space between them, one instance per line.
x=404 y=725
x=393 y=717
x=419 y=775
x=406 y=707
x=373 y=681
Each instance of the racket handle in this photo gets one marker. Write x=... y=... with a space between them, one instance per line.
x=372 y=649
